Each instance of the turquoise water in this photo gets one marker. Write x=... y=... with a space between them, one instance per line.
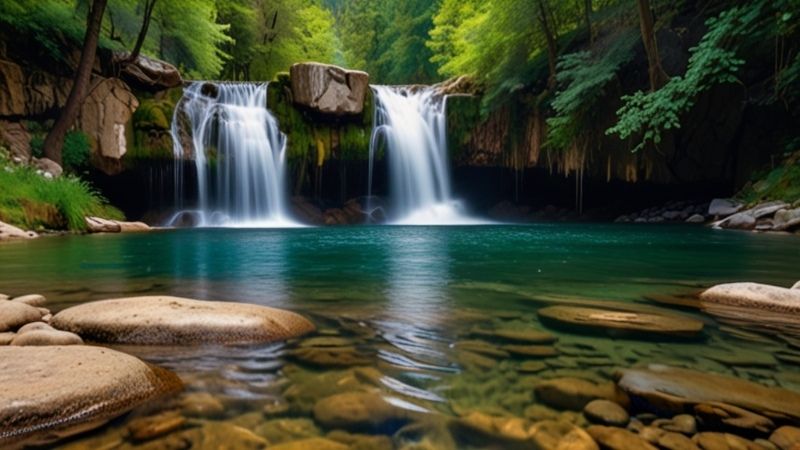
x=407 y=298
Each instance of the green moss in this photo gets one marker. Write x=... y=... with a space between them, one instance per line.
x=781 y=183
x=151 y=125
x=463 y=114
x=30 y=201
x=317 y=138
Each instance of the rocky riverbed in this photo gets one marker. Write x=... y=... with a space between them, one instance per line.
x=575 y=374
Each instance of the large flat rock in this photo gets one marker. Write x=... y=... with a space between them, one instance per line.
x=612 y=322
x=755 y=296
x=52 y=392
x=672 y=389
x=163 y=320
x=329 y=89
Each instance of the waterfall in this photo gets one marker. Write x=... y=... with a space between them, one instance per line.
x=238 y=154
x=411 y=122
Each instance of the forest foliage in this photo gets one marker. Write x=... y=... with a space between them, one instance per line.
x=567 y=55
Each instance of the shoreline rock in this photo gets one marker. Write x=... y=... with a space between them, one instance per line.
x=67 y=390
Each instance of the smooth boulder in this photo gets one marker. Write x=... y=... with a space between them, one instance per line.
x=328 y=89
x=754 y=295
x=147 y=73
x=673 y=389
x=360 y=411
x=164 y=320
x=581 y=319
x=42 y=337
x=10 y=232
x=15 y=314
x=53 y=392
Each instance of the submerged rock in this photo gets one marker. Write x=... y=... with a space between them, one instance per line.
x=612 y=438
x=620 y=322
x=575 y=393
x=723 y=441
x=100 y=225
x=606 y=412
x=786 y=438
x=316 y=443
x=329 y=89
x=360 y=411
x=163 y=320
x=672 y=389
x=66 y=390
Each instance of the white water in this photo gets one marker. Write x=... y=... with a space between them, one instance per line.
x=412 y=124
x=239 y=155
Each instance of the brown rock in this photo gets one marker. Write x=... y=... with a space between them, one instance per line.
x=163 y=320
x=14 y=315
x=786 y=438
x=6 y=337
x=755 y=296
x=311 y=444
x=147 y=73
x=147 y=428
x=34 y=326
x=575 y=393
x=100 y=225
x=674 y=389
x=612 y=438
x=329 y=89
x=46 y=337
x=31 y=299
x=578 y=318
x=676 y=441
x=604 y=412
x=16 y=138
x=104 y=117
x=532 y=351
x=12 y=82
x=723 y=441
x=554 y=435
x=520 y=336
x=71 y=389
x=201 y=404
x=360 y=411
x=722 y=416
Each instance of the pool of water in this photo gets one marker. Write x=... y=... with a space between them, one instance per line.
x=404 y=300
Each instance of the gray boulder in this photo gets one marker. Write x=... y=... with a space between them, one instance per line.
x=329 y=89
x=786 y=219
x=722 y=207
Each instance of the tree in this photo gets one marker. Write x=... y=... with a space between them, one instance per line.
x=147 y=14
x=55 y=138
x=552 y=50
x=656 y=73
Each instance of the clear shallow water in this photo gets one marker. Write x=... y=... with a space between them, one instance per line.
x=407 y=297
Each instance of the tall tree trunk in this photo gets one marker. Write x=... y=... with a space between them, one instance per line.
x=148 y=13
x=587 y=12
x=55 y=139
x=656 y=73
x=552 y=50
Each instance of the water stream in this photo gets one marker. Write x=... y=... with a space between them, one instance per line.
x=239 y=157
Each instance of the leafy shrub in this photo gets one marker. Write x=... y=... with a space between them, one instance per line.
x=76 y=151
x=713 y=61
x=32 y=201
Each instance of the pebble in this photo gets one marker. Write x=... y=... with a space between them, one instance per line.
x=606 y=412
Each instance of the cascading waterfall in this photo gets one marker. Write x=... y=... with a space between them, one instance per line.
x=239 y=155
x=411 y=120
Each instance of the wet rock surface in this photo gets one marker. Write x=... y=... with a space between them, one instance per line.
x=329 y=89
x=66 y=390
x=621 y=322
x=173 y=320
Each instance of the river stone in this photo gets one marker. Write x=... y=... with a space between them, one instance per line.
x=360 y=411
x=574 y=393
x=34 y=326
x=35 y=300
x=15 y=314
x=66 y=390
x=786 y=438
x=618 y=322
x=605 y=412
x=316 y=443
x=201 y=404
x=696 y=218
x=672 y=389
x=532 y=351
x=612 y=438
x=723 y=207
x=675 y=441
x=722 y=416
x=6 y=337
x=754 y=295
x=328 y=89
x=163 y=320
x=550 y=434
x=46 y=337
x=9 y=232
x=521 y=336
x=723 y=441
x=330 y=356
x=147 y=428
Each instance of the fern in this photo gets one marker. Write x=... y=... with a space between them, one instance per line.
x=713 y=61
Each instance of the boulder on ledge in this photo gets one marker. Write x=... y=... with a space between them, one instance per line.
x=147 y=73
x=53 y=392
x=164 y=320
x=329 y=89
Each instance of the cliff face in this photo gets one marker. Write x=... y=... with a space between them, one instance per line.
x=35 y=85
